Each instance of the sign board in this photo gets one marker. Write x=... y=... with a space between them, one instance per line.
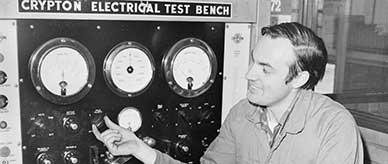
x=159 y=8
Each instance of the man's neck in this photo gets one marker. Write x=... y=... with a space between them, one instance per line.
x=281 y=107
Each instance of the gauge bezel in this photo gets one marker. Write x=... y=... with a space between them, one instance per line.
x=108 y=67
x=39 y=55
x=168 y=63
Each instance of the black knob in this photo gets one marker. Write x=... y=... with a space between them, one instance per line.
x=44 y=158
x=71 y=124
x=98 y=120
x=3 y=77
x=71 y=157
x=182 y=148
x=3 y=101
x=159 y=117
x=38 y=126
x=149 y=141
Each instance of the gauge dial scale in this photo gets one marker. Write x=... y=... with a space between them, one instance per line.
x=190 y=67
x=129 y=69
x=130 y=117
x=62 y=70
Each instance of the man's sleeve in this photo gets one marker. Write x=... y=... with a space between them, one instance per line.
x=222 y=149
x=162 y=158
x=342 y=142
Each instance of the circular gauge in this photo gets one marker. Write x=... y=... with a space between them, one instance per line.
x=130 y=117
x=62 y=70
x=129 y=69
x=190 y=67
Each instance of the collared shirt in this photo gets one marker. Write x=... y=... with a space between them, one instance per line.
x=318 y=130
x=269 y=124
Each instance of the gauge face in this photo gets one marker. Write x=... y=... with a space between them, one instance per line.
x=64 y=72
x=129 y=69
x=130 y=117
x=191 y=68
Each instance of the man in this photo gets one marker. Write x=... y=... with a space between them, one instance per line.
x=282 y=120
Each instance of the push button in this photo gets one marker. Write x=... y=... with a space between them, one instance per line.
x=5 y=151
x=3 y=101
x=3 y=125
x=1 y=57
x=3 y=77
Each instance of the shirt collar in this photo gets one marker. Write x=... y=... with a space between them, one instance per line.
x=293 y=119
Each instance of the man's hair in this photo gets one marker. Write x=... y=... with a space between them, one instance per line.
x=309 y=49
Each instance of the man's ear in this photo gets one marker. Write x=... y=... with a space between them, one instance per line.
x=300 y=79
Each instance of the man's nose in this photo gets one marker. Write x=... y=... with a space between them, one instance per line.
x=252 y=73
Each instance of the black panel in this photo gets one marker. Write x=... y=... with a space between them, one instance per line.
x=173 y=121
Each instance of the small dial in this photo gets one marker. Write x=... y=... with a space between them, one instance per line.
x=130 y=117
x=190 y=67
x=62 y=70
x=129 y=69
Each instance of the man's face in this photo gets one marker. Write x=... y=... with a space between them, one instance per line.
x=268 y=71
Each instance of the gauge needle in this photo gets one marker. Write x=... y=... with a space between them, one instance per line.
x=63 y=84
x=130 y=68
x=63 y=75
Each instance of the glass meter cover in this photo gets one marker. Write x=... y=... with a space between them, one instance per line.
x=190 y=67
x=129 y=69
x=130 y=117
x=62 y=70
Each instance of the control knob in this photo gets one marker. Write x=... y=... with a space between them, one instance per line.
x=71 y=157
x=44 y=158
x=71 y=125
x=3 y=101
x=38 y=126
x=182 y=148
x=3 y=77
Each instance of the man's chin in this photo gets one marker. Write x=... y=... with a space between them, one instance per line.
x=255 y=102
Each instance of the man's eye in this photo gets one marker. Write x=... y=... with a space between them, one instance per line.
x=265 y=70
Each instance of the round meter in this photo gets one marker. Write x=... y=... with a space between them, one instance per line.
x=190 y=67
x=129 y=69
x=130 y=117
x=62 y=70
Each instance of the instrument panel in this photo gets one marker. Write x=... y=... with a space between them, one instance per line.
x=162 y=80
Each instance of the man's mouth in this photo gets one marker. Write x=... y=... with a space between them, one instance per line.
x=253 y=88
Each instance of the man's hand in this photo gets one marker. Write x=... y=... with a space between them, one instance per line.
x=121 y=141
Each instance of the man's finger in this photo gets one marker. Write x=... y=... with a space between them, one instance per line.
x=96 y=132
x=112 y=140
x=111 y=124
x=109 y=132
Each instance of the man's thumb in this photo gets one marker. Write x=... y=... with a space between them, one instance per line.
x=110 y=124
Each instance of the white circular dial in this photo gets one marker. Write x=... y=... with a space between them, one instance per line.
x=64 y=71
x=131 y=70
x=130 y=117
x=191 y=68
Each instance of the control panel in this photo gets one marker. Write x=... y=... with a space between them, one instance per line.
x=10 y=117
x=162 y=80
